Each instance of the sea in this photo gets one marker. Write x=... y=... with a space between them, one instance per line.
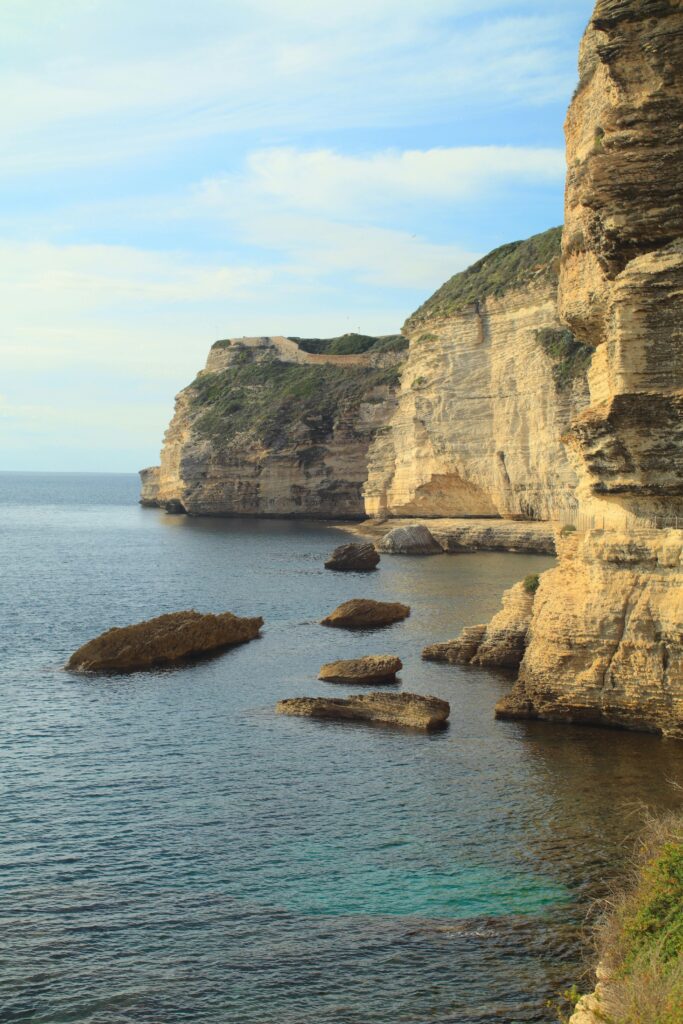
x=171 y=850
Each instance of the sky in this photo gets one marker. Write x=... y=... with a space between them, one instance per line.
x=176 y=173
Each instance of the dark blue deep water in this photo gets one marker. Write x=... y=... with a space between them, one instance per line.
x=171 y=850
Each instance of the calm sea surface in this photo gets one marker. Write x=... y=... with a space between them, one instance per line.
x=171 y=850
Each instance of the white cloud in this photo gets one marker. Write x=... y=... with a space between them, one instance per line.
x=93 y=93
x=329 y=181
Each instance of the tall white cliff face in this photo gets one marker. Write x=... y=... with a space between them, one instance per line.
x=480 y=413
x=606 y=636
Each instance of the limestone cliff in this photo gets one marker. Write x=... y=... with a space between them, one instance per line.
x=491 y=382
x=606 y=636
x=277 y=426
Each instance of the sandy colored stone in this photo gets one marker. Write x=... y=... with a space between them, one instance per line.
x=410 y=540
x=364 y=613
x=374 y=668
x=315 y=470
x=500 y=644
x=455 y=535
x=606 y=635
x=162 y=641
x=353 y=558
x=404 y=709
x=478 y=419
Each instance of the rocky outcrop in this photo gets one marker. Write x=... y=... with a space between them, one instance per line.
x=405 y=709
x=375 y=668
x=501 y=644
x=454 y=535
x=491 y=382
x=353 y=558
x=278 y=426
x=149 y=486
x=164 y=640
x=409 y=540
x=363 y=613
x=606 y=637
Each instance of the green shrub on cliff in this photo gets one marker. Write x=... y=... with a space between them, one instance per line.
x=510 y=266
x=353 y=344
x=640 y=938
x=571 y=357
x=270 y=400
x=531 y=583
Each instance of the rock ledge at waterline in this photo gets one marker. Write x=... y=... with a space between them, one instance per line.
x=163 y=640
x=405 y=709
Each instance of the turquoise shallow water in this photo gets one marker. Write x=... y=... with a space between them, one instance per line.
x=171 y=850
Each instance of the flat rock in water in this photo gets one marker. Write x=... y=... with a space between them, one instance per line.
x=162 y=641
x=409 y=540
x=353 y=558
x=375 y=668
x=405 y=709
x=363 y=613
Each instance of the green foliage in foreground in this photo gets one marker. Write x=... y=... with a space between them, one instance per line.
x=353 y=344
x=510 y=266
x=268 y=400
x=655 y=924
x=571 y=357
x=531 y=583
x=640 y=938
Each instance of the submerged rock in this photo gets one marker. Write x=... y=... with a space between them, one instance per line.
x=353 y=558
x=375 y=668
x=406 y=709
x=162 y=641
x=363 y=613
x=410 y=540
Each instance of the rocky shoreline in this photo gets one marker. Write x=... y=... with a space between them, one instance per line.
x=471 y=534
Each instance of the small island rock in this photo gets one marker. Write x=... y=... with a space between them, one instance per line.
x=162 y=641
x=363 y=613
x=375 y=668
x=404 y=709
x=353 y=558
x=409 y=540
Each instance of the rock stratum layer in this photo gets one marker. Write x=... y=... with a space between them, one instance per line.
x=606 y=635
x=491 y=382
x=277 y=427
x=460 y=415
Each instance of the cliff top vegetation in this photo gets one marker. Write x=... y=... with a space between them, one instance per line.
x=353 y=344
x=510 y=266
x=270 y=401
x=640 y=939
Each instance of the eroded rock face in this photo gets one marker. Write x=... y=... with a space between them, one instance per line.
x=363 y=613
x=405 y=709
x=353 y=558
x=269 y=429
x=375 y=668
x=162 y=641
x=606 y=636
x=606 y=641
x=491 y=383
x=501 y=644
x=409 y=540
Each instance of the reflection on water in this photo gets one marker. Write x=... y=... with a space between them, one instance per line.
x=172 y=850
